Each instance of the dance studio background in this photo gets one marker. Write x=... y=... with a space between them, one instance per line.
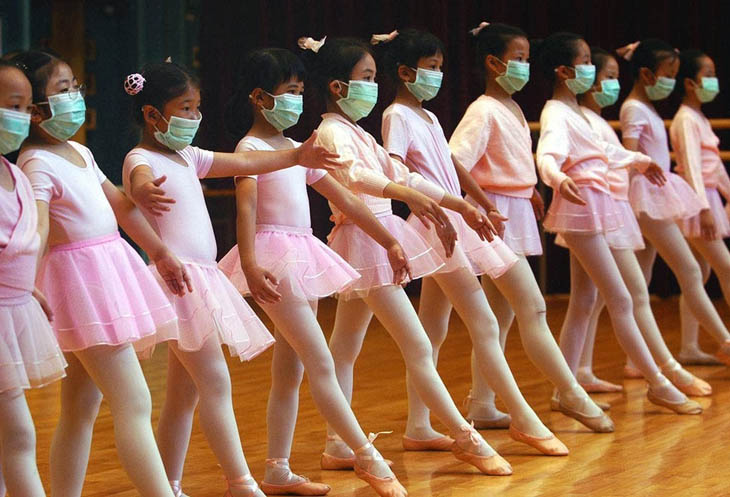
x=106 y=40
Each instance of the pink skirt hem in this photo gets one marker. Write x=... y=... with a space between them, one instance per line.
x=101 y=293
x=479 y=256
x=599 y=215
x=675 y=200
x=213 y=309
x=691 y=226
x=521 y=232
x=296 y=258
x=29 y=353
x=371 y=260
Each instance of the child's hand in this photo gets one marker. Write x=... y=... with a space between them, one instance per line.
x=538 y=206
x=497 y=220
x=38 y=295
x=426 y=209
x=569 y=190
x=707 y=224
x=150 y=197
x=447 y=235
x=655 y=174
x=262 y=285
x=478 y=222
x=316 y=156
x=173 y=273
x=399 y=264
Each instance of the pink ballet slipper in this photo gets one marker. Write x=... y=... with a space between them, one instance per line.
x=698 y=358
x=632 y=373
x=245 y=486
x=597 y=385
x=686 y=407
x=550 y=446
x=490 y=465
x=383 y=486
x=599 y=424
x=498 y=423
x=296 y=484
x=333 y=463
x=438 y=444
x=688 y=384
x=723 y=354
x=555 y=404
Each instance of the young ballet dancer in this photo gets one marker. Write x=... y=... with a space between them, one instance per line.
x=492 y=156
x=103 y=298
x=414 y=136
x=623 y=242
x=166 y=100
x=287 y=270
x=573 y=160
x=654 y=65
x=344 y=74
x=698 y=160
x=29 y=353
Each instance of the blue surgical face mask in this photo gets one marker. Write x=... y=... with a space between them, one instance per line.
x=661 y=89
x=360 y=100
x=14 y=128
x=180 y=132
x=585 y=75
x=68 y=113
x=427 y=84
x=608 y=95
x=708 y=91
x=286 y=111
x=515 y=77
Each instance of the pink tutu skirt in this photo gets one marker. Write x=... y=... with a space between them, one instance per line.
x=521 y=233
x=479 y=256
x=296 y=258
x=213 y=308
x=29 y=353
x=675 y=200
x=371 y=260
x=691 y=226
x=101 y=293
x=627 y=237
x=599 y=215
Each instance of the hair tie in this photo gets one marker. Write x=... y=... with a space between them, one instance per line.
x=628 y=51
x=309 y=43
x=477 y=30
x=384 y=38
x=134 y=83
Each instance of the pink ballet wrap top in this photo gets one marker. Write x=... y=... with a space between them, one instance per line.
x=698 y=155
x=618 y=178
x=367 y=167
x=496 y=148
x=21 y=241
x=570 y=148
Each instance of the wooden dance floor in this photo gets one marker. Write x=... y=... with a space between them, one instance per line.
x=652 y=452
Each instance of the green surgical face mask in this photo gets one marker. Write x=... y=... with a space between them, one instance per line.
x=180 y=132
x=14 y=128
x=286 y=111
x=585 y=75
x=68 y=113
x=361 y=98
x=661 y=89
x=427 y=83
x=709 y=90
x=515 y=77
x=608 y=95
